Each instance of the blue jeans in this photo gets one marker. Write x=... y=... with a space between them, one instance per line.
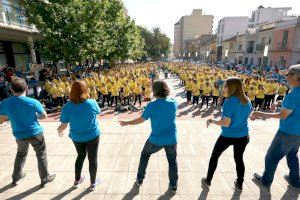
x=282 y=145
x=171 y=152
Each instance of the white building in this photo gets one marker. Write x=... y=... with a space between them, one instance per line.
x=228 y=27
x=262 y=15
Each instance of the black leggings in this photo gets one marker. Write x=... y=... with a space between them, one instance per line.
x=128 y=100
x=90 y=148
x=195 y=100
x=114 y=98
x=105 y=97
x=215 y=100
x=239 y=146
x=205 y=98
x=138 y=96
x=258 y=102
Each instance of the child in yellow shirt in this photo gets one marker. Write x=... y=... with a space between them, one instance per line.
x=251 y=94
x=215 y=94
x=195 y=92
x=206 y=94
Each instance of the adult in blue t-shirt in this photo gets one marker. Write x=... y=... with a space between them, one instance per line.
x=23 y=113
x=162 y=114
x=287 y=140
x=81 y=113
x=234 y=122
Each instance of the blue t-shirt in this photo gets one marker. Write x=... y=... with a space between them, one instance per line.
x=162 y=113
x=22 y=112
x=291 y=125
x=239 y=114
x=83 y=120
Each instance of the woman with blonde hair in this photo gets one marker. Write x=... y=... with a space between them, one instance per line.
x=234 y=123
x=81 y=113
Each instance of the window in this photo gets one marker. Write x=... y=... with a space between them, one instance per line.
x=231 y=46
x=263 y=40
x=285 y=38
x=240 y=47
x=222 y=28
x=251 y=61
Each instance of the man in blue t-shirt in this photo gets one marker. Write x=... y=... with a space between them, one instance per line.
x=23 y=113
x=287 y=140
x=162 y=113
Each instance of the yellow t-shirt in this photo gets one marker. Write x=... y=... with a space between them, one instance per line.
x=126 y=91
x=94 y=94
x=103 y=90
x=260 y=94
x=48 y=86
x=148 y=92
x=215 y=92
x=206 y=90
x=282 y=90
x=115 y=90
x=196 y=89
x=138 y=89
x=188 y=86
x=271 y=89
x=251 y=94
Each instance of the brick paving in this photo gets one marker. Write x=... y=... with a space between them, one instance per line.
x=119 y=152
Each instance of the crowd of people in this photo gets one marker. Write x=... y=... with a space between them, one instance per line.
x=81 y=110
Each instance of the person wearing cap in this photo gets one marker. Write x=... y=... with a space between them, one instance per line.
x=287 y=140
x=26 y=129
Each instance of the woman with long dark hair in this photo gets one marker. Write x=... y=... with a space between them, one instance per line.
x=81 y=113
x=234 y=122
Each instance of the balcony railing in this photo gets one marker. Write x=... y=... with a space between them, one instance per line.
x=282 y=46
x=15 y=18
x=250 y=49
x=260 y=47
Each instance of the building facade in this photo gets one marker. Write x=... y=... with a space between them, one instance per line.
x=296 y=46
x=16 y=36
x=188 y=28
x=228 y=27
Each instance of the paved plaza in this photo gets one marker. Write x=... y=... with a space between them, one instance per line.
x=118 y=158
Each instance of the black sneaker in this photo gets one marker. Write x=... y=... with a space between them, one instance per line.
x=238 y=186
x=49 y=179
x=139 y=182
x=173 y=189
x=287 y=178
x=258 y=179
x=206 y=182
x=16 y=182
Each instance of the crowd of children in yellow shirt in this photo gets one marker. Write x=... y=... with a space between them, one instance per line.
x=206 y=83
x=122 y=85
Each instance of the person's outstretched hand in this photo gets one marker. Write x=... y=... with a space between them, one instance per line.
x=123 y=123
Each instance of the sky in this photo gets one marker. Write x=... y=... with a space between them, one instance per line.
x=165 y=13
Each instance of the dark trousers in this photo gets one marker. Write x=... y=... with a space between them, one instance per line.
x=223 y=100
x=105 y=97
x=39 y=146
x=268 y=99
x=239 y=146
x=215 y=100
x=114 y=98
x=171 y=152
x=90 y=148
x=205 y=99
x=138 y=97
x=195 y=100
x=188 y=95
x=279 y=98
x=128 y=100
x=252 y=103
x=258 y=102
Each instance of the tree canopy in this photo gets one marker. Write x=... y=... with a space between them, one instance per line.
x=74 y=30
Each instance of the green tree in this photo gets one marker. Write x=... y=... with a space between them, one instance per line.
x=156 y=43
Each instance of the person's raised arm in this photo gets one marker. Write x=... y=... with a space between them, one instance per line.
x=283 y=114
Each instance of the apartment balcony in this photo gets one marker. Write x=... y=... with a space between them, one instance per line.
x=260 y=47
x=282 y=46
x=15 y=19
x=212 y=52
x=250 y=49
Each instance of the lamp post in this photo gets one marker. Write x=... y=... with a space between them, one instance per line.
x=207 y=54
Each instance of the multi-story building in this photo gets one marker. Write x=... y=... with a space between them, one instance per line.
x=16 y=36
x=229 y=46
x=249 y=55
x=188 y=28
x=283 y=42
x=263 y=15
x=229 y=27
x=296 y=46
x=209 y=49
x=202 y=47
x=240 y=48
